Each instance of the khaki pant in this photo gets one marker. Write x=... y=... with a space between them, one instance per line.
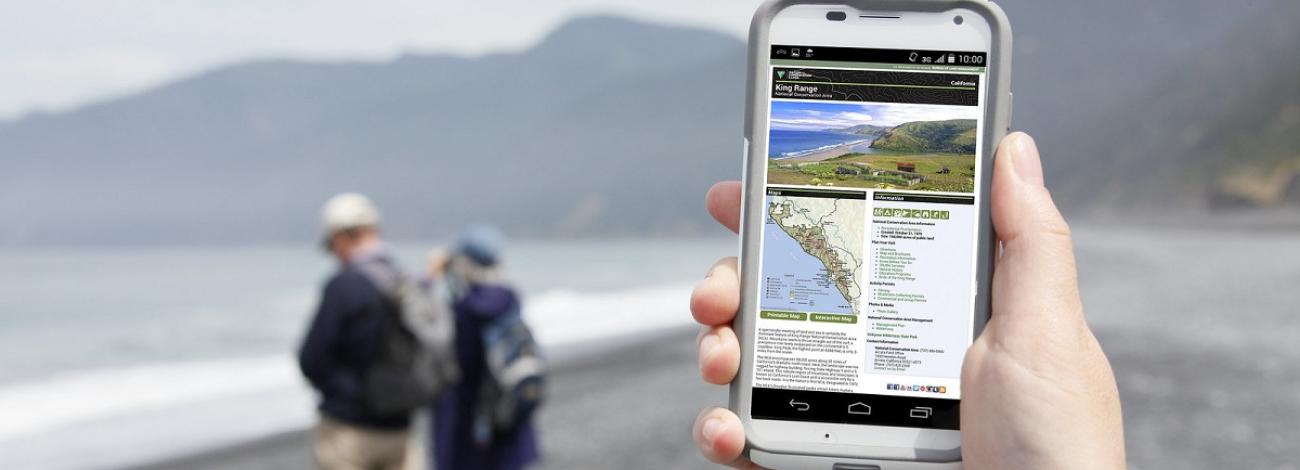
x=341 y=446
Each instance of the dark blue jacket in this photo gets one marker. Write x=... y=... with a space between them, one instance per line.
x=453 y=416
x=343 y=341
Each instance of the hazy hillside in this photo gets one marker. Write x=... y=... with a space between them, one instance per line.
x=610 y=126
x=1222 y=128
x=951 y=136
x=862 y=129
x=1140 y=113
x=606 y=126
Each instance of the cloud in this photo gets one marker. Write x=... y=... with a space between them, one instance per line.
x=815 y=116
x=813 y=123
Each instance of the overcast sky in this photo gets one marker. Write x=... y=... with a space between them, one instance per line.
x=817 y=116
x=58 y=54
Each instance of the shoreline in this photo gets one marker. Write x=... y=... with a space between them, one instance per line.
x=824 y=154
x=1167 y=341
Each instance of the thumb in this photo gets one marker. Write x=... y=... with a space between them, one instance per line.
x=1035 y=273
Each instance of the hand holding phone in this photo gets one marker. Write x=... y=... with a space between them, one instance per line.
x=866 y=241
x=1038 y=391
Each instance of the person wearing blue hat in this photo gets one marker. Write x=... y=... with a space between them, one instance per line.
x=482 y=244
x=463 y=435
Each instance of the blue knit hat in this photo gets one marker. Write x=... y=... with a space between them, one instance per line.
x=481 y=243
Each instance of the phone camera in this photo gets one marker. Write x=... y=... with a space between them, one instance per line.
x=836 y=15
x=957 y=19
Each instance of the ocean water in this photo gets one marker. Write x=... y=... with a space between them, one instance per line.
x=790 y=144
x=133 y=354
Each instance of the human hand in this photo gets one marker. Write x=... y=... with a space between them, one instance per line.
x=1038 y=392
x=436 y=262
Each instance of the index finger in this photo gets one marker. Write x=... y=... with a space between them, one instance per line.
x=723 y=202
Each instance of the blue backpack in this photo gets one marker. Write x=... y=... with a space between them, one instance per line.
x=513 y=388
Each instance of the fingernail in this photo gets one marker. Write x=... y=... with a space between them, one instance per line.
x=1026 y=161
x=707 y=344
x=710 y=429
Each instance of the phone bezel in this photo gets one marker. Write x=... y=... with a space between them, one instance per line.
x=913 y=29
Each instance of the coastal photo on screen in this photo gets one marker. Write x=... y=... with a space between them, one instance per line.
x=873 y=145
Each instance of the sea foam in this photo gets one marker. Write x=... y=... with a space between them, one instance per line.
x=58 y=409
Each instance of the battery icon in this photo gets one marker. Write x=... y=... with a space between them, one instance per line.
x=952 y=58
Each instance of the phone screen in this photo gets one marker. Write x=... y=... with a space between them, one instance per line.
x=867 y=290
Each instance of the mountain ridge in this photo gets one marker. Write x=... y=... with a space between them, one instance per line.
x=861 y=129
x=615 y=127
x=949 y=136
x=247 y=152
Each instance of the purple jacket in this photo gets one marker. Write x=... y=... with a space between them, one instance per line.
x=453 y=414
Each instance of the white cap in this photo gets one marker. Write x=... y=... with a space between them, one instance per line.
x=348 y=211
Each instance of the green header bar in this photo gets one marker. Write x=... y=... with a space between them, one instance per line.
x=875 y=65
x=885 y=85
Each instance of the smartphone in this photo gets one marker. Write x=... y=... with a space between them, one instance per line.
x=866 y=241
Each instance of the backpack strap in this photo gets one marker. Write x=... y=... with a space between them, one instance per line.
x=381 y=272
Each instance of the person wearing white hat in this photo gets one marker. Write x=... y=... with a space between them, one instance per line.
x=341 y=342
x=351 y=223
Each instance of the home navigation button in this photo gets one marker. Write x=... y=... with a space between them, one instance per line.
x=860 y=408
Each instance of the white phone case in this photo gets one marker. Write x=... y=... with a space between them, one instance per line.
x=997 y=112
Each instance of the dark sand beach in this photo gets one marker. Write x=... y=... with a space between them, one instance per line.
x=630 y=407
x=1207 y=358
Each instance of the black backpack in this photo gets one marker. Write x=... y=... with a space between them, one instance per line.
x=416 y=360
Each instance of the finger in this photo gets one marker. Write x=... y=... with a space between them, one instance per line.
x=719 y=354
x=721 y=438
x=1037 y=261
x=723 y=202
x=717 y=297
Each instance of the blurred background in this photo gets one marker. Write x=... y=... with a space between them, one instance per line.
x=162 y=165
